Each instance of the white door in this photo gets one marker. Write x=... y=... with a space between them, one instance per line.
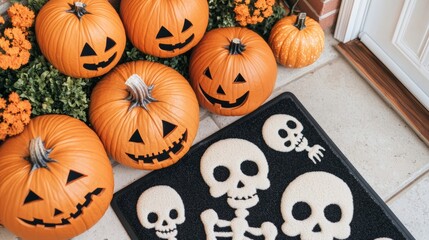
x=397 y=32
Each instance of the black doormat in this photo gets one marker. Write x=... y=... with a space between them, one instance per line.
x=273 y=174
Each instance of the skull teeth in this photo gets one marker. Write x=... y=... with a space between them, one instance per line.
x=244 y=197
x=166 y=231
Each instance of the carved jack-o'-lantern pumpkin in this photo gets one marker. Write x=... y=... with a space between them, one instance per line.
x=56 y=180
x=81 y=39
x=232 y=70
x=164 y=28
x=145 y=113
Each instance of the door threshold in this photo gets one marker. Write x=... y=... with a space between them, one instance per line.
x=388 y=86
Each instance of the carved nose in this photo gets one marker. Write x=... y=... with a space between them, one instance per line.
x=317 y=228
x=240 y=184
x=220 y=90
x=164 y=223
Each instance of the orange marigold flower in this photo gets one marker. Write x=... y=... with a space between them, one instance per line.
x=16 y=128
x=2 y=104
x=268 y=12
x=270 y=2
x=21 y=16
x=14 y=97
x=1 y=20
x=261 y=4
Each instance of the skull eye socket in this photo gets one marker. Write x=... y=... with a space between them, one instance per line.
x=249 y=168
x=31 y=197
x=332 y=213
x=173 y=214
x=152 y=217
x=301 y=211
x=291 y=124
x=282 y=133
x=221 y=173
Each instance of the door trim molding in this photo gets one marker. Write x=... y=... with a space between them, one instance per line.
x=350 y=19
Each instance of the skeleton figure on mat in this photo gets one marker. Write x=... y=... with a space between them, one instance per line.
x=237 y=168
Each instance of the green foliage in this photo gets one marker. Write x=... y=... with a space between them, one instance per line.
x=48 y=90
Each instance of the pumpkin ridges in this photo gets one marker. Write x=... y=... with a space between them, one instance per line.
x=49 y=184
x=311 y=38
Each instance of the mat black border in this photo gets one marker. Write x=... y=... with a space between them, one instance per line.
x=318 y=128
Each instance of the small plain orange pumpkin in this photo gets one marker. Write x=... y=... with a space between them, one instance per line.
x=296 y=41
x=56 y=180
x=232 y=71
x=145 y=113
x=81 y=39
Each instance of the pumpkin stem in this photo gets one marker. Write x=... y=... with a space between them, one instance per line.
x=140 y=93
x=39 y=155
x=300 y=21
x=78 y=8
x=236 y=46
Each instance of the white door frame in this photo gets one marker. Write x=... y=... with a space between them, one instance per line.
x=349 y=26
x=350 y=19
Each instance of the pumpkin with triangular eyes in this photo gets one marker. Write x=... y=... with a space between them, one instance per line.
x=56 y=180
x=80 y=39
x=164 y=28
x=145 y=113
x=232 y=71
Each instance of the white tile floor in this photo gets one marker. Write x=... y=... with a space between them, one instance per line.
x=387 y=153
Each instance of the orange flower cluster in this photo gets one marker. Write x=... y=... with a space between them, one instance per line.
x=14 y=115
x=252 y=11
x=14 y=45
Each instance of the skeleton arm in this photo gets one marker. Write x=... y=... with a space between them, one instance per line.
x=315 y=153
x=268 y=230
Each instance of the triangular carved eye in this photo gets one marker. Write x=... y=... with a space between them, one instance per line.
x=167 y=128
x=239 y=79
x=186 y=25
x=136 y=137
x=163 y=33
x=73 y=175
x=31 y=197
x=109 y=44
x=207 y=73
x=87 y=51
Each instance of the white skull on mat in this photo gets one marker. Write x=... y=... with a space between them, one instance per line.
x=317 y=205
x=161 y=208
x=237 y=168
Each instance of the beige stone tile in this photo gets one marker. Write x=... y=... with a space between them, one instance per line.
x=412 y=208
x=6 y=235
x=372 y=136
x=207 y=127
x=108 y=228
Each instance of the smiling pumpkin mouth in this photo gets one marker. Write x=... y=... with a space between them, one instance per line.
x=223 y=103
x=172 y=47
x=164 y=155
x=95 y=66
x=65 y=221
